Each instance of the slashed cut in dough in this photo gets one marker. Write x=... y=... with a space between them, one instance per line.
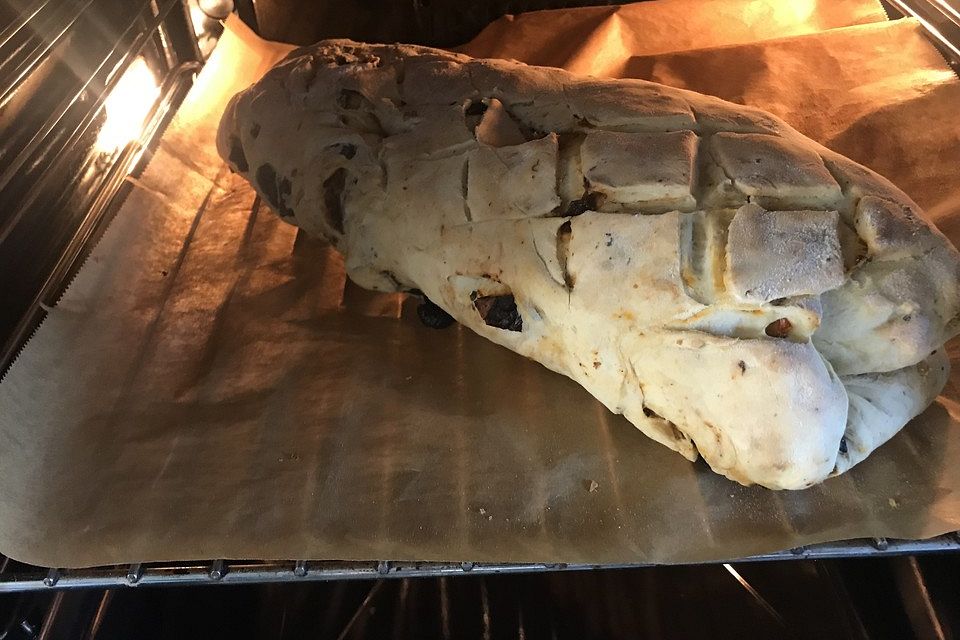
x=732 y=288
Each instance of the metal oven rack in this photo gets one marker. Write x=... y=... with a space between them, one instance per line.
x=939 y=18
x=160 y=31
x=59 y=62
x=15 y=576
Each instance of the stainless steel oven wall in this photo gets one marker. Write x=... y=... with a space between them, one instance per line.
x=940 y=20
x=60 y=60
x=447 y=23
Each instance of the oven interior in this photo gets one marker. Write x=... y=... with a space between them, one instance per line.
x=86 y=89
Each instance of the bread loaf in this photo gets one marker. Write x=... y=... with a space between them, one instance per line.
x=734 y=289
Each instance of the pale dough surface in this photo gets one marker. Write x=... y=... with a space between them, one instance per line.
x=731 y=287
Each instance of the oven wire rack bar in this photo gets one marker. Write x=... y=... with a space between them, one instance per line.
x=15 y=577
x=38 y=165
x=940 y=20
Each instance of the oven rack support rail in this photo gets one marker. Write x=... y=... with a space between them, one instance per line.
x=18 y=577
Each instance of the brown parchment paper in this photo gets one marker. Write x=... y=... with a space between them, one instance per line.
x=212 y=386
x=598 y=40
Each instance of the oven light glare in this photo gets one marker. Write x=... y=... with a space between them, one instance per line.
x=198 y=18
x=127 y=107
x=801 y=9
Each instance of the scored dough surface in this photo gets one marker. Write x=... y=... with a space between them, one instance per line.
x=732 y=288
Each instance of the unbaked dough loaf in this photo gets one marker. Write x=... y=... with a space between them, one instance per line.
x=731 y=287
